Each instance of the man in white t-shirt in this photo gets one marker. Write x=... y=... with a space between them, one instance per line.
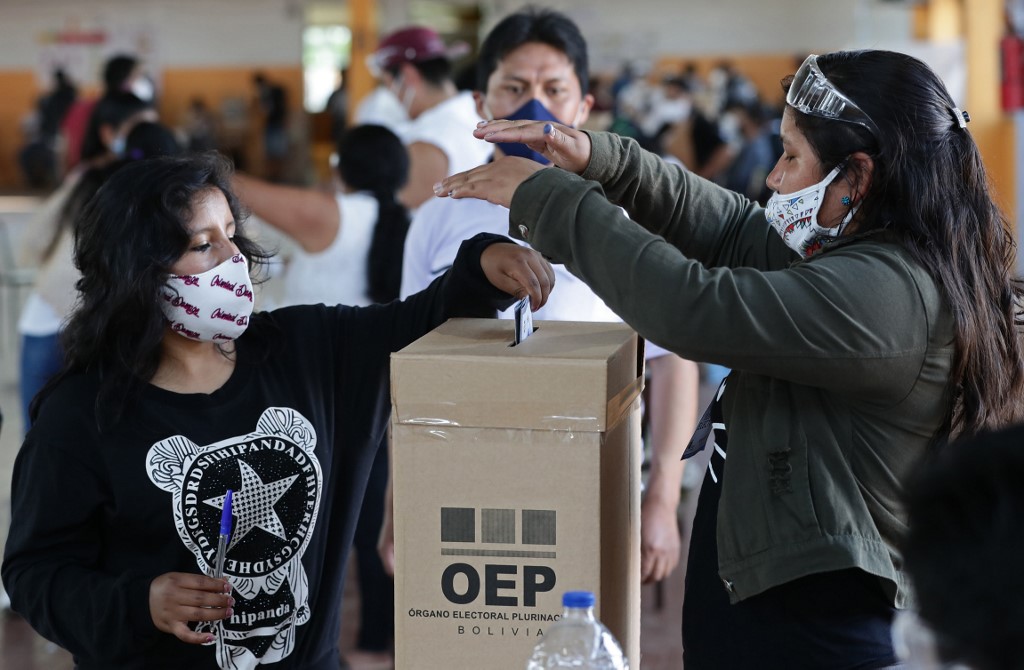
x=533 y=65
x=416 y=65
x=380 y=107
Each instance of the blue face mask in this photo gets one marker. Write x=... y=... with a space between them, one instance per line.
x=531 y=111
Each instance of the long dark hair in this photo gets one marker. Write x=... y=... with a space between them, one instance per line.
x=127 y=239
x=111 y=110
x=372 y=158
x=930 y=190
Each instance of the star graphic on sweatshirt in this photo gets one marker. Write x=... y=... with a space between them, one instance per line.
x=253 y=504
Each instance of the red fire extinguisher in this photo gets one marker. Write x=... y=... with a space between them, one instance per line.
x=1012 y=49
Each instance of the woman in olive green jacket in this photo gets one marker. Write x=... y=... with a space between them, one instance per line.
x=868 y=313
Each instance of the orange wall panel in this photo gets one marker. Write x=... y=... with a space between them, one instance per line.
x=218 y=87
x=177 y=88
x=763 y=70
x=20 y=92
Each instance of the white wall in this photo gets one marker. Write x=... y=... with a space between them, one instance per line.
x=267 y=32
x=174 y=33
x=642 y=29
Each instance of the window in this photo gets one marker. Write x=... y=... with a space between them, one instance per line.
x=325 y=51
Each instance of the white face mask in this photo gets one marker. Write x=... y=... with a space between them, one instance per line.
x=143 y=89
x=730 y=130
x=794 y=216
x=404 y=94
x=214 y=306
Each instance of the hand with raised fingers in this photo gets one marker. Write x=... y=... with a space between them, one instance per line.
x=494 y=182
x=518 y=271
x=567 y=148
x=176 y=598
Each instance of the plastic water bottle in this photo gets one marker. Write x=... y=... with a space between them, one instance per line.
x=578 y=640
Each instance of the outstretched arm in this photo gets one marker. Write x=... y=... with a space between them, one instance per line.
x=496 y=182
x=707 y=222
x=308 y=216
x=428 y=164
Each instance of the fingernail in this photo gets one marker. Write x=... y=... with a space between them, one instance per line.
x=209 y=638
x=227 y=588
x=481 y=124
x=230 y=613
x=488 y=135
x=548 y=128
x=231 y=602
x=438 y=190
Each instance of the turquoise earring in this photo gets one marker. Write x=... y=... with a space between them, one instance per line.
x=846 y=200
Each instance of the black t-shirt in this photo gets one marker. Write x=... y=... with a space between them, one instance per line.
x=832 y=620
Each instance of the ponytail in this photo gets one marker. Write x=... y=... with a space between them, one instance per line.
x=372 y=158
x=384 y=264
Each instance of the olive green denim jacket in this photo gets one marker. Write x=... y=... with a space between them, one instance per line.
x=841 y=361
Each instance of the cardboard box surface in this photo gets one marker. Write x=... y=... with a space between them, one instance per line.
x=516 y=478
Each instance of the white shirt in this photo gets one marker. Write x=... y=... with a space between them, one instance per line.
x=449 y=126
x=439 y=227
x=665 y=111
x=380 y=107
x=37 y=318
x=336 y=275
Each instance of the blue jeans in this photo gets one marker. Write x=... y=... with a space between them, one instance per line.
x=41 y=358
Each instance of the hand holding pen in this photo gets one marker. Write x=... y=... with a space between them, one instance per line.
x=177 y=598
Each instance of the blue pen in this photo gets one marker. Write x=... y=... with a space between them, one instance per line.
x=225 y=533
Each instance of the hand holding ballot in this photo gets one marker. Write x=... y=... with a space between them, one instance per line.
x=518 y=271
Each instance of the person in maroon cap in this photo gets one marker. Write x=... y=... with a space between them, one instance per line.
x=416 y=65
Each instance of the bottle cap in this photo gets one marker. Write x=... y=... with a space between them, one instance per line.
x=578 y=599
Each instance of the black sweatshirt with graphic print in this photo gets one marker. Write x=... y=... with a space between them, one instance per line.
x=96 y=516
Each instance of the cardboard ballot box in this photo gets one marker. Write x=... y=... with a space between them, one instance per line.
x=516 y=476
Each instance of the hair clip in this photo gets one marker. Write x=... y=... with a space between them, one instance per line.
x=961 y=117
